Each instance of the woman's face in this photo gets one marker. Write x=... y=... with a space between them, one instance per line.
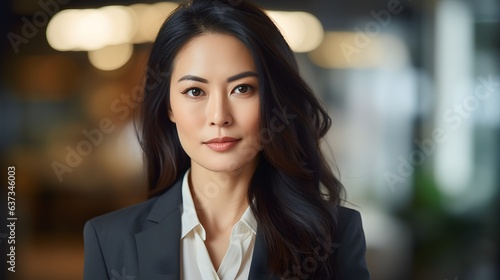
x=214 y=99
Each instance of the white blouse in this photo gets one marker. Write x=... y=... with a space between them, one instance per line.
x=195 y=260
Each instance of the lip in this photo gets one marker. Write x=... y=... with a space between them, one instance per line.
x=221 y=144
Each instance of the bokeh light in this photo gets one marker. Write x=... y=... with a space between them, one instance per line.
x=302 y=31
x=111 y=57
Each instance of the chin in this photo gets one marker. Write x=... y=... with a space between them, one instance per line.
x=217 y=164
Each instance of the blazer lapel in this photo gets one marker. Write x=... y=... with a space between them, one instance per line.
x=258 y=268
x=158 y=246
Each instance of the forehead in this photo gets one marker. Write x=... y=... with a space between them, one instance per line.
x=213 y=54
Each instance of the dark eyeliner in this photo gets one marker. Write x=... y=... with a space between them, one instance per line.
x=250 y=87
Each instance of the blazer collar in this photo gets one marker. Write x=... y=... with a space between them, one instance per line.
x=158 y=246
x=258 y=268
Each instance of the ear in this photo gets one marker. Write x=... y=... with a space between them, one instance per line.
x=171 y=115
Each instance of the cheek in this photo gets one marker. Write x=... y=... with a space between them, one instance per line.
x=251 y=118
x=187 y=129
x=256 y=122
x=178 y=117
x=184 y=113
x=186 y=120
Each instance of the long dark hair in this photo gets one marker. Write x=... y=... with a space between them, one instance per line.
x=294 y=189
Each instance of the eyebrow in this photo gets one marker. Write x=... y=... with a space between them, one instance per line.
x=193 y=78
x=242 y=75
x=230 y=79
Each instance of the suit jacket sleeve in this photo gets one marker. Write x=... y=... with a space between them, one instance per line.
x=94 y=265
x=350 y=257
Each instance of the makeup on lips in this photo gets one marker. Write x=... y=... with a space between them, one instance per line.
x=221 y=144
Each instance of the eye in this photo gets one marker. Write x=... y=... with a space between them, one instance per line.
x=193 y=92
x=242 y=89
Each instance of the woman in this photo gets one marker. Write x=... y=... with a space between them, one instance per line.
x=239 y=186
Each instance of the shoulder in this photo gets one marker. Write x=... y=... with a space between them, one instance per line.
x=125 y=219
x=350 y=245
x=347 y=212
x=349 y=231
x=138 y=217
x=349 y=226
x=347 y=218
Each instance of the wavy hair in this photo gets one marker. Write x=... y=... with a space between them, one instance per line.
x=294 y=189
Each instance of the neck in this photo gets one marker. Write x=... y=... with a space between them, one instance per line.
x=220 y=198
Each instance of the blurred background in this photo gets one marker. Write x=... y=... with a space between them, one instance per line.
x=413 y=88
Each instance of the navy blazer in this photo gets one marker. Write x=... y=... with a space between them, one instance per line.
x=142 y=242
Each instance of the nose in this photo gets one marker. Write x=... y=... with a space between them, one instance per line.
x=219 y=113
